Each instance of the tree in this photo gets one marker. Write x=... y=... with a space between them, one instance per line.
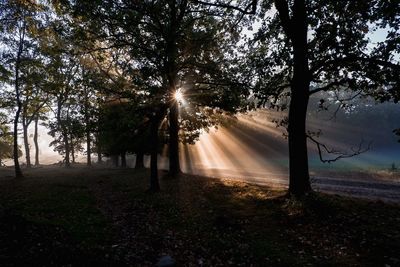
x=20 y=20
x=62 y=77
x=116 y=129
x=171 y=41
x=33 y=106
x=389 y=48
x=6 y=141
x=38 y=117
x=88 y=111
x=310 y=46
x=124 y=128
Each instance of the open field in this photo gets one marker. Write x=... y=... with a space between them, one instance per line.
x=94 y=216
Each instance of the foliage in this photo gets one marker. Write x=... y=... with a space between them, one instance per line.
x=342 y=52
x=75 y=131
x=307 y=47
x=193 y=124
x=21 y=21
x=6 y=143
x=173 y=45
x=123 y=128
x=117 y=125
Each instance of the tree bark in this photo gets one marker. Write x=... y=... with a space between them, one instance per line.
x=115 y=159
x=98 y=148
x=64 y=134
x=154 y=184
x=172 y=70
x=99 y=156
x=87 y=122
x=35 y=141
x=17 y=167
x=139 y=160
x=73 y=154
x=123 y=159
x=26 y=144
x=299 y=178
x=67 y=150
x=88 y=150
x=72 y=149
x=174 y=164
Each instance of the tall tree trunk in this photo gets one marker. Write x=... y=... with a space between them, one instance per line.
x=26 y=144
x=115 y=159
x=35 y=141
x=123 y=159
x=139 y=160
x=174 y=164
x=172 y=70
x=154 y=184
x=64 y=133
x=98 y=148
x=87 y=122
x=17 y=167
x=299 y=181
x=72 y=150
x=99 y=156
x=88 y=149
x=67 y=150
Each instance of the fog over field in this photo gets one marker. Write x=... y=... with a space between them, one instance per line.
x=255 y=143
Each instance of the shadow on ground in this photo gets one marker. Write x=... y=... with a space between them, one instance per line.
x=94 y=216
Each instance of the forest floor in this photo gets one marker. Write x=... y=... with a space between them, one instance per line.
x=96 y=217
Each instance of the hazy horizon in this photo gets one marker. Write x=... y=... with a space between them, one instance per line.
x=255 y=143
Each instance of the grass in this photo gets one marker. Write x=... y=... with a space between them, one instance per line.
x=50 y=221
x=105 y=217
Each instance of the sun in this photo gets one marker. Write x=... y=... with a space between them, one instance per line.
x=178 y=95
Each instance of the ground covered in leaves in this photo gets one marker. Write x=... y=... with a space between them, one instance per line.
x=95 y=217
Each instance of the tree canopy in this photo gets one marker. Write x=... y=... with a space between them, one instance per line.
x=63 y=61
x=305 y=47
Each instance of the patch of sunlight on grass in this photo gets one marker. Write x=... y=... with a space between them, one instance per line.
x=246 y=191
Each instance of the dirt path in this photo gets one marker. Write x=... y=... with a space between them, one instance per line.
x=373 y=186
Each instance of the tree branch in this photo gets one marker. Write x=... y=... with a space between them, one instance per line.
x=340 y=155
x=252 y=5
x=328 y=86
x=352 y=59
x=283 y=10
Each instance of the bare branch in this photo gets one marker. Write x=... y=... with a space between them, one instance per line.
x=322 y=148
x=342 y=102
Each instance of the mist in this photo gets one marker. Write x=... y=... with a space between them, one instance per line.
x=255 y=147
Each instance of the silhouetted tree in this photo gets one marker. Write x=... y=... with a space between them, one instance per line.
x=19 y=20
x=6 y=143
x=116 y=129
x=174 y=45
x=33 y=104
x=305 y=47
